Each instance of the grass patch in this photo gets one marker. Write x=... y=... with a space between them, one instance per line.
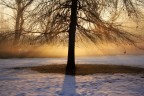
x=85 y=69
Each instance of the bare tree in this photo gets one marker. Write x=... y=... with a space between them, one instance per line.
x=20 y=7
x=75 y=20
x=84 y=20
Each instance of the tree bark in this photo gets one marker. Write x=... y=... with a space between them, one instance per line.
x=72 y=31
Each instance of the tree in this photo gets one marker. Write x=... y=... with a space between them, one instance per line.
x=72 y=31
x=20 y=7
x=85 y=20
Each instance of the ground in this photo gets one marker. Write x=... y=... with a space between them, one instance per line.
x=30 y=83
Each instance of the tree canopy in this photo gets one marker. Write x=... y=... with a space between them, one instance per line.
x=98 y=20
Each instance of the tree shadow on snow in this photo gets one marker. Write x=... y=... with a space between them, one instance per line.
x=69 y=84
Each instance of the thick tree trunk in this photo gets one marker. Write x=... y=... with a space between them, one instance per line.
x=72 y=31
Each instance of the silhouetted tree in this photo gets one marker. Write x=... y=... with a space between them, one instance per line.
x=70 y=20
x=20 y=7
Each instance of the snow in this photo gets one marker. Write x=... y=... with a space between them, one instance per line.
x=31 y=83
x=132 y=60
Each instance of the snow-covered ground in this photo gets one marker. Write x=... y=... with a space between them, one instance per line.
x=30 y=83
x=132 y=60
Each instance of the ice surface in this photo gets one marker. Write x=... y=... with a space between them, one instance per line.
x=30 y=83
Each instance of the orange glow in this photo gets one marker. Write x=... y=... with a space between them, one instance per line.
x=61 y=51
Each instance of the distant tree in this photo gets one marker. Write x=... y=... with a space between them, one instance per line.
x=20 y=7
x=87 y=19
